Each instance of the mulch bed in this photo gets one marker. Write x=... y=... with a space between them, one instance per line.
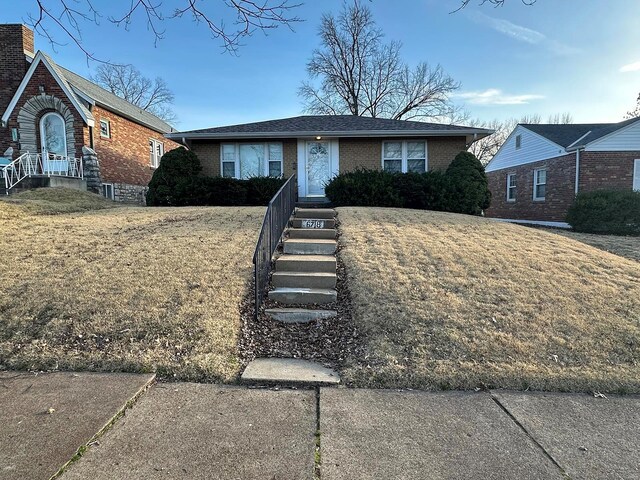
x=334 y=342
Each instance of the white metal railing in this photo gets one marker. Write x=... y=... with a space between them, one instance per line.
x=40 y=165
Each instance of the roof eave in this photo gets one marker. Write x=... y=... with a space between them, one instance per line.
x=133 y=119
x=480 y=133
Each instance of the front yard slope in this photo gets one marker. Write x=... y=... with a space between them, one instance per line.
x=452 y=301
x=125 y=289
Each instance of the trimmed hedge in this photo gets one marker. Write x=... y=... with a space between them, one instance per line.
x=176 y=182
x=614 y=212
x=462 y=188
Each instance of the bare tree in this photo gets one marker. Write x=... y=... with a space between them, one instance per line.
x=485 y=148
x=127 y=82
x=355 y=72
x=636 y=110
x=67 y=18
x=495 y=3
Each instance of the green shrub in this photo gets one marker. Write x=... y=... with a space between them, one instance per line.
x=364 y=188
x=172 y=182
x=606 y=211
x=468 y=186
x=260 y=190
x=463 y=188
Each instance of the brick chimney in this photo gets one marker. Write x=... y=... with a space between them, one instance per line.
x=15 y=41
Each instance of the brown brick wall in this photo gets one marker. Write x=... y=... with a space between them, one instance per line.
x=209 y=154
x=560 y=191
x=14 y=40
x=367 y=152
x=611 y=170
x=124 y=158
x=42 y=77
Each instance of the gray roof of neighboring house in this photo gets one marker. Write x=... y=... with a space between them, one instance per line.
x=566 y=135
x=112 y=102
x=332 y=125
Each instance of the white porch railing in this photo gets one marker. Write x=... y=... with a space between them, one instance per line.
x=40 y=165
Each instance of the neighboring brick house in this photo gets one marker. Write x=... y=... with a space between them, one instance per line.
x=62 y=122
x=318 y=147
x=533 y=177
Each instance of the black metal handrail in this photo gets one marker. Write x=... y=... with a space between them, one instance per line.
x=276 y=218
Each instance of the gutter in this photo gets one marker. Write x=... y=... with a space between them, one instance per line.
x=342 y=134
x=577 y=184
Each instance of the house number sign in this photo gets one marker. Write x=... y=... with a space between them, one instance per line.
x=312 y=223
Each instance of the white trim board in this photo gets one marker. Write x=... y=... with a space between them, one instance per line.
x=542 y=223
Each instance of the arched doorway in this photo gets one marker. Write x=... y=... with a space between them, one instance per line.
x=53 y=140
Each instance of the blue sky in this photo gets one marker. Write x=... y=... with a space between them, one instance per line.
x=577 y=56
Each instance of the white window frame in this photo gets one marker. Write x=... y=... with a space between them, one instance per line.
x=112 y=191
x=405 y=159
x=536 y=173
x=510 y=186
x=518 y=141
x=636 y=175
x=108 y=124
x=267 y=159
x=155 y=159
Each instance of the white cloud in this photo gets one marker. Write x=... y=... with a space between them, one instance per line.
x=631 y=67
x=523 y=34
x=494 y=96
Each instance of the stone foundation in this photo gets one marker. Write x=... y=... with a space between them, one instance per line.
x=125 y=193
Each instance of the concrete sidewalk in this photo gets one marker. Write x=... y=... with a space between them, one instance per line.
x=45 y=418
x=198 y=431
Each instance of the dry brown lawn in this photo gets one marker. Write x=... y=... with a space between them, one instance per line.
x=452 y=301
x=628 y=247
x=126 y=289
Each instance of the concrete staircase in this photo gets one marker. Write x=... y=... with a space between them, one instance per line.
x=304 y=279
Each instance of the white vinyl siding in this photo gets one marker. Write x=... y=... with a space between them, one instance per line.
x=404 y=156
x=636 y=175
x=539 y=184
x=511 y=187
x=625 y=139
x=246 y=160
x=533 y=149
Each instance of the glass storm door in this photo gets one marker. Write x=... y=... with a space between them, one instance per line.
x=54 y=145
x=318 y=167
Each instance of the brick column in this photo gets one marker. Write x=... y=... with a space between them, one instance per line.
x=91 y=168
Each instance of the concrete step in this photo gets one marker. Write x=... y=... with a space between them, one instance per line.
x=317 y=223
x=308 y=246
x=321 y=233
x=306 y=263
x=298 y=315
x=288 y=371
x=304 y=279
x=303 y=296
x=315 y=213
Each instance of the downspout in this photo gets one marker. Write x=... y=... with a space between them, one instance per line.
x=577 y=186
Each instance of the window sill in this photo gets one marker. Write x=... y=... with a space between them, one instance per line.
x=539 y=199
x=511 y=201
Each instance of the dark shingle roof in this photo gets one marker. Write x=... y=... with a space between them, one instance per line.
x=565 y=135
x=112 y=102
x=334 y=124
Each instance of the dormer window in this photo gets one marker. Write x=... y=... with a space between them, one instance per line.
x=518 y=142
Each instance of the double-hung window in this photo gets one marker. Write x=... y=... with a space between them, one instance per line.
x=246 y=160
x=636 y=175
x=105 y=128
x=511 y=187
x=539 y=184
x=405 y=156
x=156 y=150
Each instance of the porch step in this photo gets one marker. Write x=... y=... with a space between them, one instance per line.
x=303 y=296
x=313 y=223
x=304 y=279
x=298 y=315
x=289 y=371
x=316 y=233
x=325 y=213
x=308 y=246
x=306 y=263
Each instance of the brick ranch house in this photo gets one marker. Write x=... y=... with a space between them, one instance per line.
x=60 y=129
x=539 y=169
x=318 y=147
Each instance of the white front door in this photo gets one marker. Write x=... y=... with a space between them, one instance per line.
x=318 y=167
